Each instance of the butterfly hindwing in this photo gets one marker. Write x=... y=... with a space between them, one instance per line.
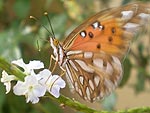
x=93 y=76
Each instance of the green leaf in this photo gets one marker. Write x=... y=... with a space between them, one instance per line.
x=109 y=102
x=127 y=70
x=140 y=86
x=143 y=59
x=21 y=8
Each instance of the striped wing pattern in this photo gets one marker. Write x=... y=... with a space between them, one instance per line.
x=93 y=77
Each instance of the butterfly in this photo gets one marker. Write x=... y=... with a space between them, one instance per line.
x=92 y=54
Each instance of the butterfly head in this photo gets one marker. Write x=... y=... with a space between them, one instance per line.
x=57 y=50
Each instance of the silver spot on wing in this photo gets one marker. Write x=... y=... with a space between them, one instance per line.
x=88 y=93
x=98 y=62
x=73 y=52
x=117 y=65
x=83 y=34
x=91 y=84
x=69 y=73
x=95 y=25
x=80 y=92
x=84 y=66
x=143 y=15
x=96 y=80
x=88 y=54
x=81 y=79
x=144 y=18
x=131 y=27
x=69 y=78
x=76 y=86
x=73 y=65
x=126 y=15
x=109 y=68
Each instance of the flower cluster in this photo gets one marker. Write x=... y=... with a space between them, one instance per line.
x=34 y=85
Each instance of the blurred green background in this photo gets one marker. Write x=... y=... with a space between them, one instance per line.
x=21 y=37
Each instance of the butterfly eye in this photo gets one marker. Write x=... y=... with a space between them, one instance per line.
x=55 y=42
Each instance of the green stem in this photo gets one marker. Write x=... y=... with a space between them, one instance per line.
x=135 y=110
x=74 y=104
x=83 y=108
x=11 y=69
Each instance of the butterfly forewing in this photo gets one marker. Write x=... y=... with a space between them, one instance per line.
x=94 y=50
x=123 y=22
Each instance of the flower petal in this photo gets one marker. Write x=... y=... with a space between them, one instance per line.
x=35 y=64
x=28 y=68
x=19 y=63
x=8 y=87
x=55 y=91
x=30 y=80
x=39 y=90
x=60 y=82
x=6 y=79
x=43 y=76
x=30 y=88
x=57 y=80
x=20 y=88
x=54 y=83
x=45 y=72
x=32 y=98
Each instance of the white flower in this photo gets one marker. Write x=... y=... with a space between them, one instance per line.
x=6 y=79
x=30 y=88
x=53 y=83
x=28 y=68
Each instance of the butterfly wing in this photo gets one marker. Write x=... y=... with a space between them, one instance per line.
x=95 y=49
x=113 y=29
x=93 y=75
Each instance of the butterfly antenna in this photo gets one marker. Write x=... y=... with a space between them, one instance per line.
x=32 y=17
x=50 y=24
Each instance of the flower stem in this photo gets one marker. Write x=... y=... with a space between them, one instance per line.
x=11 y=69
x=74 y=104
x=83 y=108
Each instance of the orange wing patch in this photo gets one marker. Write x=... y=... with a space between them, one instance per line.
x=105 y=36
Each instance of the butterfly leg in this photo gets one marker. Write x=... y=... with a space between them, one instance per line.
x=54 y=66
x=51 y=59
x=50 y=64
x=62 y=72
